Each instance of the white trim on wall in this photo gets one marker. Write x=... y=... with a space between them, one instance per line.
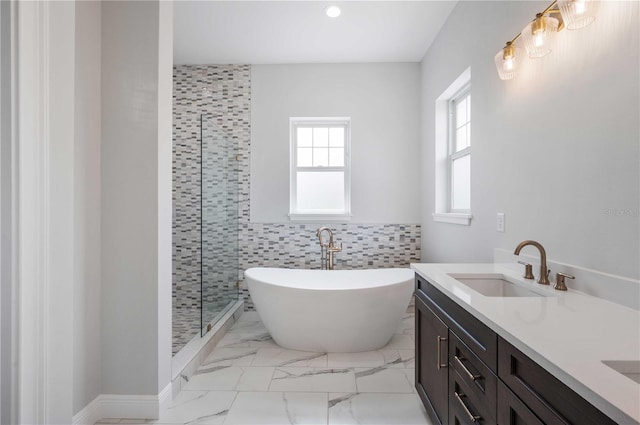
x=114 y=406
x=33 y=209
x=45 y=134
x=8 y=308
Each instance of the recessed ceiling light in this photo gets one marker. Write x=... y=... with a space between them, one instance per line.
x=333 y=11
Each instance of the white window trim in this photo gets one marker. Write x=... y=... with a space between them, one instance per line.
x=315 y=216
x=442 y=211
x=453 y=218
x=452 y=154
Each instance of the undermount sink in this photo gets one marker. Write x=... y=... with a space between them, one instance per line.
x=493 y=285
x=628 y=368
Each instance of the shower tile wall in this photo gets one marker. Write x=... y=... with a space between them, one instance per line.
x=224 y=92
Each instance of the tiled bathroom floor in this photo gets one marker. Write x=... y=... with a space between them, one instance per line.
x=249 y=380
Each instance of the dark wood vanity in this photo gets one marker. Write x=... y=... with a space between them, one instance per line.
x=467 y=374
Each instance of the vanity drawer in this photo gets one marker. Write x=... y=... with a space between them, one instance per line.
x=481 y=383
x=465 y=406
x=477 y=336
x=548 y=398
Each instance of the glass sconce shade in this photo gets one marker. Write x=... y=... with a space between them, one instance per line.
x=578 y=14
x=540 y=35
x=508 y=61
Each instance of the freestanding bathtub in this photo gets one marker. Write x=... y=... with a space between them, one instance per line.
x=330 y=310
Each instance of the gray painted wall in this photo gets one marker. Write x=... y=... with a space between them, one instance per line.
x=556 y=149
x=86 y=304
x=136 y=197
x=383 y=101
x=7 y=325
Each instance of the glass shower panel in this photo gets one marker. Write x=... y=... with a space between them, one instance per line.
x=219 y=221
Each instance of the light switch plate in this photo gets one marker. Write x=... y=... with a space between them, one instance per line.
x=500 y=222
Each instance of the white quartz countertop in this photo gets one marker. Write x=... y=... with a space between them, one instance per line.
x=567 y=333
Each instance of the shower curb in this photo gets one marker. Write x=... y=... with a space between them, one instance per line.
x=187 y=361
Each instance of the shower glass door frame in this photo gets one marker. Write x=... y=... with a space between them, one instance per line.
x=219 y=171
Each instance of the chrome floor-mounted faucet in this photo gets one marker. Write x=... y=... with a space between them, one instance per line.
x=327 y=250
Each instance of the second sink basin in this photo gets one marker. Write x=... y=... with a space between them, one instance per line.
x=628 y=368
x=493 y=285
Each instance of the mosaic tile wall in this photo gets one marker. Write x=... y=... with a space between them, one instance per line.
x=223 y=91
x=220 y=95
x=296 y=246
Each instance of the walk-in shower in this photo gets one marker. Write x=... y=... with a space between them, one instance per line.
x=205 y=225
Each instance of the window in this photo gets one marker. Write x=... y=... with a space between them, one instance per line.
x=320 y=168
x=460 y=152
x=453 y=152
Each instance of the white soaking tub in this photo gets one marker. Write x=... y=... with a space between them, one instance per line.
x=330 y=310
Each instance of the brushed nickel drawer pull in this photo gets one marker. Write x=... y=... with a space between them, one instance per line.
x=467 y=371
x=440 y=364
x=472 y=417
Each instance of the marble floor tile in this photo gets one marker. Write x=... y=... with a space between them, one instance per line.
x=407 y=325
x=256 y=379
x=224 y=356
x=249 y=316
x=248 y=328
x=365 y=359
x=201 y=407
x=382 y=380
x=284 y=357
x=313 y=379
x=135 y=421
x=408 y=358
x=376 y=409
x=238 y=340
x=411 y=376
x=400 y=342
x=238 y=378
x=278 y=408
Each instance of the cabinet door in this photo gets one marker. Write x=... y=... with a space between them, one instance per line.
x=431 y=362
x=512 y=411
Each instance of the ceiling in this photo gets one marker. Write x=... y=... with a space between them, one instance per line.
x=270 y=32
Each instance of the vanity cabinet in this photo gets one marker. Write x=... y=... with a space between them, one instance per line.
x=551 y=400
x=467 y=374
x=450 y=340
x=431 y=368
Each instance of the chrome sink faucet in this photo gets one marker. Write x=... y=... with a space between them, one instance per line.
x=327 y=250
x=544 y=273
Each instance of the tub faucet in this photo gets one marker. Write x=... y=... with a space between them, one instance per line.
x=544 y=273
x=327 y=250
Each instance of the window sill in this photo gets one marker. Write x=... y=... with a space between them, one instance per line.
x=314 y=218
x=462 y=219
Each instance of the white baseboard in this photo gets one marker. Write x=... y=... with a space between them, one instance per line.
x=114 y=406
x=130 y=406
x=164 y=398
x=91 y=413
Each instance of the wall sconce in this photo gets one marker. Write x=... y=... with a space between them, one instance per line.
x=578 y=14
x=539 y=36
x=508 y=61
